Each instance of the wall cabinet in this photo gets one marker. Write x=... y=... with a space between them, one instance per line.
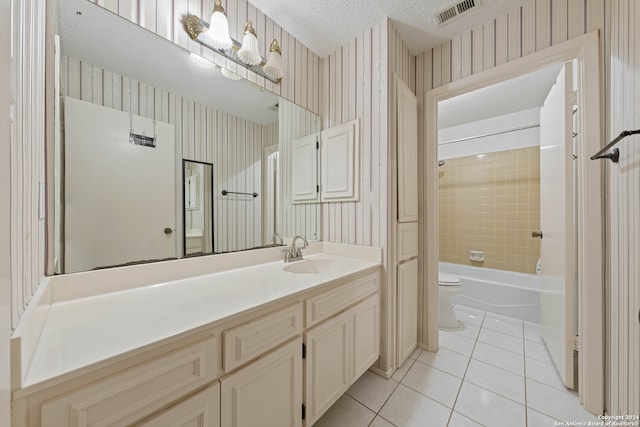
x=339 y=351
x=267 y=392
x=407 y=309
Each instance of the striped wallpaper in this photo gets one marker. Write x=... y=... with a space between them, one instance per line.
x=357 y=82
x=623 y=189
x=27 y=161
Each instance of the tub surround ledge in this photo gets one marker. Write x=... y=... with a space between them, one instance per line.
x=83 y=321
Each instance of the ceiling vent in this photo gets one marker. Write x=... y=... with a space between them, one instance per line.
x=457 y=9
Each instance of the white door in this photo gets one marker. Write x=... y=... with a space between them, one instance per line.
x=556 y=223
x=119 y=197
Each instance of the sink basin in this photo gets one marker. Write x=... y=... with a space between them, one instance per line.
x=312 y=266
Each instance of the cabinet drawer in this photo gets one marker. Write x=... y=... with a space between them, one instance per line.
x=250 y=340
x=137 y=392
x=329 y=303
x=201 y=409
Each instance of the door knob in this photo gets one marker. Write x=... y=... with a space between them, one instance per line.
x=536 y=234
x=168 y=231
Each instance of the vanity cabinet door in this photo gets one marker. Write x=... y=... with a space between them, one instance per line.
x=199 y=410
x=407 y=309
x=326 y=365
x=266 y=393
x=365 y=320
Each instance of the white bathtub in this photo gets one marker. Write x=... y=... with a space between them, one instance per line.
x=502 y=292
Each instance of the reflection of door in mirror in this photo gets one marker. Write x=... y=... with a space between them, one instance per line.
x=198 y=207
x=119 y=203
x=271 y=198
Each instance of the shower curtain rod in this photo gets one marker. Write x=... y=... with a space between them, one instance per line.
x=489 y=134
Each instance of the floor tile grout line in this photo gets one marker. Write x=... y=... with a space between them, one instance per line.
x=455 y=401
x=394 y=390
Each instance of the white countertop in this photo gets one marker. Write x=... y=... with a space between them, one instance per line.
x=81 y=332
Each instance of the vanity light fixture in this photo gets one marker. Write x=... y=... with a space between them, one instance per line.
x=246 y=54
x=249 y=52
x=273 y=67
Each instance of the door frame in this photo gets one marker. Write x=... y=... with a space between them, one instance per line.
x=584 y=49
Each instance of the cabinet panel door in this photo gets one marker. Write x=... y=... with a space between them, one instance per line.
x=327 y=365
x=407 y=241
x=199 y=410
x=407 y=309
x=304 y=169
x=365 y=318
x=340 y=162
x=266 y=393
x=407 y=154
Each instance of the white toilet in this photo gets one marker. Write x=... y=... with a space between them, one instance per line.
x=448 y=286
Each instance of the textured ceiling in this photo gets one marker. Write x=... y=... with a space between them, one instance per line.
x=326 y=25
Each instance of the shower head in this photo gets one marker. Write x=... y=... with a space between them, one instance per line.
x=441 y=163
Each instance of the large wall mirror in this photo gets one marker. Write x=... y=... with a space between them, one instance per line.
x=131 y=107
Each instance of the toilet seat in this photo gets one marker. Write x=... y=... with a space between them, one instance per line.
x=445 y=279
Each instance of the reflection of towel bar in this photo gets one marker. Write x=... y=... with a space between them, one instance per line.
x=225 y=192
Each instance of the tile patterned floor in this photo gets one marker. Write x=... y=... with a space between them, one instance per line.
x=493 y=371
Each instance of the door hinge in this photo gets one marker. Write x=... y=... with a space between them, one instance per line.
x=573 y=98
x=317 y=188
x=304 y=351
x=317 y=144
x=304 y=412
x=575 y=342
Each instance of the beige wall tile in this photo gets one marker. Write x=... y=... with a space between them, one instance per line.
x=491 y=203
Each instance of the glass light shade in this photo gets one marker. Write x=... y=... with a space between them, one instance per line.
x=249 y=52
x=218 y=33
x=273 y=67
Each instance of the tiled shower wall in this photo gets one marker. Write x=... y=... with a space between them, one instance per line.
x=491 y=203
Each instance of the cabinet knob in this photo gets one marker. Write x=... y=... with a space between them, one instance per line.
x=168 y=231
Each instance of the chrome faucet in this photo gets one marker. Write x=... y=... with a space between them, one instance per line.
x=277 y=237
x=295 y=254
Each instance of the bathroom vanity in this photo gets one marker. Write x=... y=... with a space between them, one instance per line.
x=271 y=344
